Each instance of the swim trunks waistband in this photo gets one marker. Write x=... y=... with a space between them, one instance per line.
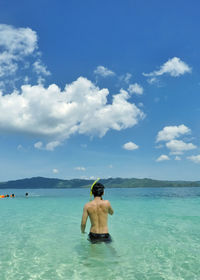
x=99 y=237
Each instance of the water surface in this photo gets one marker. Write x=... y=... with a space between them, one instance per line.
x=156 y=235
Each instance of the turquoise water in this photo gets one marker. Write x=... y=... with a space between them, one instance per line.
x=156 y=235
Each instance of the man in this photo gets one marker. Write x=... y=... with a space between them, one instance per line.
x=98 y=210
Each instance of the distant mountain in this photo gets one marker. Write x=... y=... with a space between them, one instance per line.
x=51 y=183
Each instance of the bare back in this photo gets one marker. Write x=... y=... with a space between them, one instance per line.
x=98 y=211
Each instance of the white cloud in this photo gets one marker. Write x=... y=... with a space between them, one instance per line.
x=177 y=147
x=135 y=88
x=103 y=71
x=140 y=104
x=52 y=145
x=171 y=132
x=177 y=158
x=39 y=68
x=20 y=147
x=174 y=67
x=15 y=45
x=38 y=145
x=26 y=80
x=130 y=146
x=81 y=108
x=162 y=158
x=19 y=50
x=126 y=78
x=152 y=80
x=49 y=146
x=55 y=171
x=80 y=168
x=195 y=159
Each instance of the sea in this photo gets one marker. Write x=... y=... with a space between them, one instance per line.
x=155 y=232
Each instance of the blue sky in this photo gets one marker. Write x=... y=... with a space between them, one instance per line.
x=99 y=89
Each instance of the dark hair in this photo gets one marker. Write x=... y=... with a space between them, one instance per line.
x=98 y=190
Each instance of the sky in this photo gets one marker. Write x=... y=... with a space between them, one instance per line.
x=100 y=89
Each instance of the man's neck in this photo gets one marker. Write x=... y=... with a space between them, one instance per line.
x=97 y=198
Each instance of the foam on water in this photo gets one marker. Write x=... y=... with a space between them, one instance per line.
x=155 y=236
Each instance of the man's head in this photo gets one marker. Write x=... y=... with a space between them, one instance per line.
x=98 y=190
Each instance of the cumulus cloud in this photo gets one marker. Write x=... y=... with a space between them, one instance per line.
x=52 y=145
x=103 y=71
x=177 y=147
x=171 y=132
x=81 y=108
x=135 y=88
x=15 y=45
x=162 y=158
x=55 y=171
x=152 y=80
x=80 y=168
x=174 y=67
x=195 y=159
x=130 y=146
x=38 y=145
x=49 y=146
x=18 y=51
x=177 y=158
x=126 y=78
x=40 y=68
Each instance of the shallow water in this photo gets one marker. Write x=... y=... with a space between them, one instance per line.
x=156 y=235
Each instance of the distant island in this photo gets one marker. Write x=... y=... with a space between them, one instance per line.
x=52 y=183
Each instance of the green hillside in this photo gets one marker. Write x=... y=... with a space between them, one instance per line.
x=51 y=183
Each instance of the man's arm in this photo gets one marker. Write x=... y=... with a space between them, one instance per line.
x=110 y=210
x=84 y=219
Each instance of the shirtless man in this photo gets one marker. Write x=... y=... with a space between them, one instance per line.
x=98 y=211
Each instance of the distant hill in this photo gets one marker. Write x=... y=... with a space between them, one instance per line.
x=51 y=183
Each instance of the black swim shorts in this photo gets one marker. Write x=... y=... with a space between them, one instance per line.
x=99 y=237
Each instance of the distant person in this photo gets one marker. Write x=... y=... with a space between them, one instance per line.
x=26 y=194
x=12 y=195
x=98 y=210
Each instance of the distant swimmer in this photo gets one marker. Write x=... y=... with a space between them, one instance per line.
x=12 y=195
x=97 y=210
x=26 y=194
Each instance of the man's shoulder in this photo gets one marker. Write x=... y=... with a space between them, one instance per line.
x=87 y=204
x=106 y=202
